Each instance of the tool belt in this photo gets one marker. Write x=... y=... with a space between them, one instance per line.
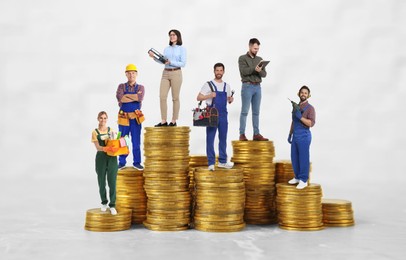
x=139 y=116
x=124 y=117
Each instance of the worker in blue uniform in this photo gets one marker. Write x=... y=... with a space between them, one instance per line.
x=300 y=137
x=129 y=96
x=217 y=93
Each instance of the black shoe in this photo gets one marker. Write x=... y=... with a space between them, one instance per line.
x=172 y=124
x=160 y=124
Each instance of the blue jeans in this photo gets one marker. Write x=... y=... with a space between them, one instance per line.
x=250 y=94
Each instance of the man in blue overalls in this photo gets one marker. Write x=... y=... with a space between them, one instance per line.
x=129 y=96
x=217 y=93
x=300 y=137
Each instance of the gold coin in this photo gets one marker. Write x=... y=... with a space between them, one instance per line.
x=155 y=227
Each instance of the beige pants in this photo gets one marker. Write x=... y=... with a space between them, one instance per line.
x=170 y=80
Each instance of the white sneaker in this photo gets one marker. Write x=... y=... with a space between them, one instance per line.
x=103 y=207
x=293 y=181
x=211 y=168
x=113 y=211
x=301 y=185
x=227 y=165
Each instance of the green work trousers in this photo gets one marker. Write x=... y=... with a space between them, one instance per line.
x=106 y=167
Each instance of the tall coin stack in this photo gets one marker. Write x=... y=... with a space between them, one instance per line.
x=284 y=171
x=97 y=220
x=220 y=197
x=166 y=151
x=256 y=157
x=337 y=213
x=131 y=193
x=299 y=209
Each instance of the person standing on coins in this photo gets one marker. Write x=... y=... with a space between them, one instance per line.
x=217 y=93
x=106 y=166
x=130 y=96
x=300 y=137
x=251 y=77
x=175 y=55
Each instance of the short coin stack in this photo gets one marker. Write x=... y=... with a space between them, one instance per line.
x=97 y=220
x=337 y=213
x=166 y=151
x=284 y=171
x=131 y=193
x=220 y=197
x=195 y=161
x=256 y=157
x=299 y=209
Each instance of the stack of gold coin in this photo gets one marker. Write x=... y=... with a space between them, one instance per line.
x=256 y=157
x=131 y=193
x=166 y=151
x=299 y=209
x=284 y=171
x=220 y=197
x=97 y=220
x=195 y=161
x=337 y=213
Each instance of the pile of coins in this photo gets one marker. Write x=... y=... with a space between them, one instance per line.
x=97 y=220
x=195 y=161
x=131 y=194
x=284 y=171
x=166 y=151
x=337 y=213
x=256 y=157
x=299 y=209
x=220 y=197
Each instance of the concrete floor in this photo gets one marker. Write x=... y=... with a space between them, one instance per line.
x=45 y=220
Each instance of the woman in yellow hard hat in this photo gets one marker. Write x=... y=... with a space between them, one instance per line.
x=175 y=59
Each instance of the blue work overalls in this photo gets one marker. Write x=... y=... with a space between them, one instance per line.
x=220 y=102
x=134 y=128
x=300 y=148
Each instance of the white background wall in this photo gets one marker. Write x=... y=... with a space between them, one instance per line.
x=61 y=62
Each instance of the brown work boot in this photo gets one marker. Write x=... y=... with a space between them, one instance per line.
x=243 y=137
x=259 y=137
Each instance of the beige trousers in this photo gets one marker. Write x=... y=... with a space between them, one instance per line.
x=170 y=80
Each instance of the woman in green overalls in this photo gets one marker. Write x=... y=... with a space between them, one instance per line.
x=105 y=165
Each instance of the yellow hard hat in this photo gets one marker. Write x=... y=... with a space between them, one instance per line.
x=130 y=67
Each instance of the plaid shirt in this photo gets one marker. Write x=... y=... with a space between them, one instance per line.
x=121 y=89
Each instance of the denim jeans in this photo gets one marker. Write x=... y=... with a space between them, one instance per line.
x=250 y=94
